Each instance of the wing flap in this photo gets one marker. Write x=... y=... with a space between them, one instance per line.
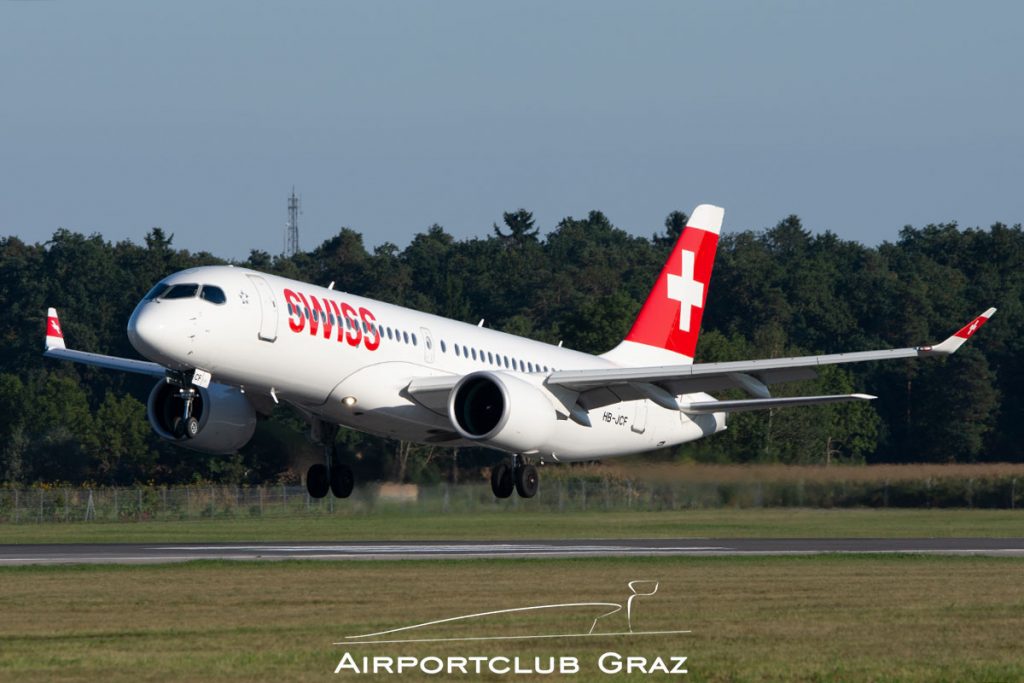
x=703 y=407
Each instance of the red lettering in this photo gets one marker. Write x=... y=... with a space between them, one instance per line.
x=314 y=324
x=341 y=324
x=372 y=338
x=355 y=333
x=322 y=311
x=296 y=321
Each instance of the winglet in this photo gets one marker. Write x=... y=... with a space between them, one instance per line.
x=963 y=334
x=54 y=335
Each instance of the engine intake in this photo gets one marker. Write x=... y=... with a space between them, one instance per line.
x=226 y=418
x=501 y=411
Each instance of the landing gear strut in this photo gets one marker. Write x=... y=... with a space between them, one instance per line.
x=330 y=475
x=185 y=426
x=520 y=476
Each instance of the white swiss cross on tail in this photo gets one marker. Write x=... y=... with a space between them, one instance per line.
x=666 y=329
x=686 y=290
x=54 y=336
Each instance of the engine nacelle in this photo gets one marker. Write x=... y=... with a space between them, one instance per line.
x=502 y=411
x=226 y=418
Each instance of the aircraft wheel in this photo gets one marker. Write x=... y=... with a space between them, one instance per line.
x=501 y=481
x=191 y=428
x=316 y=481
x=342 y=481
x=527 y=481
x=178 y=428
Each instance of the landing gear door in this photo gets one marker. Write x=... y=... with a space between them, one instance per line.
x=268 y=309
x=428 y=345
x=640 y=417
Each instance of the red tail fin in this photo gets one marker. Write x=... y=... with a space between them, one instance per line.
x=670 y=318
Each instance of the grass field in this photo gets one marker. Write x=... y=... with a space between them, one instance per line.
x=717 y=523
x=825 y=618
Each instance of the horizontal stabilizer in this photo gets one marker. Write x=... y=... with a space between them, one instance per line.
x=766 y=403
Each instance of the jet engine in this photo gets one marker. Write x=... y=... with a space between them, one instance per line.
x=501 y=411
x=226 y=418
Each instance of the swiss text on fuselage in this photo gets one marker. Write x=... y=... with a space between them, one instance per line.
x=324 y=316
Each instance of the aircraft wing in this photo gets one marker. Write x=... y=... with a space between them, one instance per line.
x=604 y=386
x=55 y=348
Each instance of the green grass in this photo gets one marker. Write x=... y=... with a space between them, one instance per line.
x=506 y=525
x=826 y=618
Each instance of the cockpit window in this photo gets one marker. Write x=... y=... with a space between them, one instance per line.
x=215 y=295
x=180 y=292
x=156 y=291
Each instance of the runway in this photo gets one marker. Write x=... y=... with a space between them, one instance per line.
x=148 y=553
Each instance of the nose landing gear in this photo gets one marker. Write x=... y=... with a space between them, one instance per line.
x=186 y=425
x=520 y=476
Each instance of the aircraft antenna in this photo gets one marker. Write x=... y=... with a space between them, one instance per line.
x=291 y=229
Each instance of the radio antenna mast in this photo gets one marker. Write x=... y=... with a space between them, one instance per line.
x=291 y=230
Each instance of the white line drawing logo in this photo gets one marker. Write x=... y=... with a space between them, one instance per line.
x=637 y=589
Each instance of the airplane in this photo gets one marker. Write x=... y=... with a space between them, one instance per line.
x=227 y=344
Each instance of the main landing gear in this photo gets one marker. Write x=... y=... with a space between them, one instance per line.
x=520 y=476
x=330 y=475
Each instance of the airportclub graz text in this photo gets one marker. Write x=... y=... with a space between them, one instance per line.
x=325 y=314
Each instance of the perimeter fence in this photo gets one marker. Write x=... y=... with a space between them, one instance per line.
x=557 y=494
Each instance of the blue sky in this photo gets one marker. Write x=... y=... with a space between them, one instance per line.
x=860 y=117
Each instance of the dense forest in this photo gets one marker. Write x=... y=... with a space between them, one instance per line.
x=775 y=292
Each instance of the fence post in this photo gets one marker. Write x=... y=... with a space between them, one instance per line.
x=40 y=506
x=138 y=512
x=115 y=504
x=67 y=502
x=284 y=498
x=261 y=500
x=163 y=503
x=17 y=516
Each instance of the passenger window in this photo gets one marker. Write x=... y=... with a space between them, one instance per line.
x=388 y=329
x=444 y=349
x=474 y=353
x=405 y=336
x=414 y=342
x=180 y=292
x=456 y=347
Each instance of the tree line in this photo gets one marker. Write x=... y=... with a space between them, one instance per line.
x=778 y=291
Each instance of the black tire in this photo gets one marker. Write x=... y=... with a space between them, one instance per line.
x=342 y=481
x=316 y=481
x=178 y=428
x=501 y=481
x=191 y=428
x=527 y=481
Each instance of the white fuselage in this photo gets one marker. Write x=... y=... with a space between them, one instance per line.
x=349 y=360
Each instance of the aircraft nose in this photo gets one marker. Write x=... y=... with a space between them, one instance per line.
x=148 y=332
